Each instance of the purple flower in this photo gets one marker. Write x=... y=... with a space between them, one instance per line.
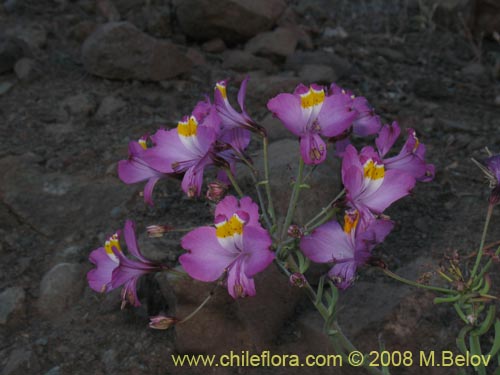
x=370 y=187
x=238 y=247
x=310 y=114
x=234 y=136
x=366 y=122
x=136 y=169
x=114 y=269
x=411 y=157
x=230 y=118
x=492 y=171
x=348 y=248
x=186 y=149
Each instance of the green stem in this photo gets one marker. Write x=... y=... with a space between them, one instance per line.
x=293 y=200
x=488 y=265
x=481 y=246
x=234 y=183
x=415 y=284
x=197 y=309
x=325 y=209
x=270 y=205
x=254 y=174
x=340 y=342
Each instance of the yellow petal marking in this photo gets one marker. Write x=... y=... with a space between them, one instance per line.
x=143 y=143
x=373 y=171
x=110 y=243
x=312 y=97
x=222 y=90
x=187 y=128
x=229 y=227
x=351 y=221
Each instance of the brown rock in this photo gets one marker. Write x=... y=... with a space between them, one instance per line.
x=280 y=42
x=250 y=323
x=243 y=61
x=216 y=45
x=231 y=20
x=118 y=50
x=60 y=288
x=261 y=89
x=313 y=73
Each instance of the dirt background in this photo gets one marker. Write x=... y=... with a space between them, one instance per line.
x=67 y=114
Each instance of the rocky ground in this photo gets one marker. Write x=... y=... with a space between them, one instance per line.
x=79 y=79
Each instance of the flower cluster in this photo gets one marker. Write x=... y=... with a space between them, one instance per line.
x=372 y=181
x=212 y=135
x=237 y=247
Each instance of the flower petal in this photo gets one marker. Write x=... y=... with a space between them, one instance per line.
x=312 y=148
x=148 y=189
x=99 y=278
x=288 y=109
x=207 y=259
x=336 y=115
x=256 y=243
x=387 y=137
x=131 y=241
x=327 y=244
x=396 y=185
x=343 y=274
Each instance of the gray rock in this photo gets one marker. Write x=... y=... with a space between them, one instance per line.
x=5 y=87
x=280 y=42
x=33 y=34
x=26 y=69
x=243 y=61
x=231 y=20
x=21 y=361
x=110 y=105
x=261 y=89
x=312 y=73
x=82 y=104
x=216 y=45
x=57 y=203
x=60 y=288
x=297 y=60
x=11 y=303
x=276 y=131
x=146 y=58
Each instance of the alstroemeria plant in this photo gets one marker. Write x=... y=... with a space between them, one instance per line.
x=247 y=236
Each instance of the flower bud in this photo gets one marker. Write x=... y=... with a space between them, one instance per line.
x=495 y=196
x=216 y=191
x=158 y=230
x=298 y=280
x=162 y=322
x=295 y=231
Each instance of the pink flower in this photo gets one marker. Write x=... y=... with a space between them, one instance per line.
x=411 y=157
x=114 y=269
x=347 y=248
x=311 y=114
x=136 y=169
x=236 y=248
x=371 y=188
